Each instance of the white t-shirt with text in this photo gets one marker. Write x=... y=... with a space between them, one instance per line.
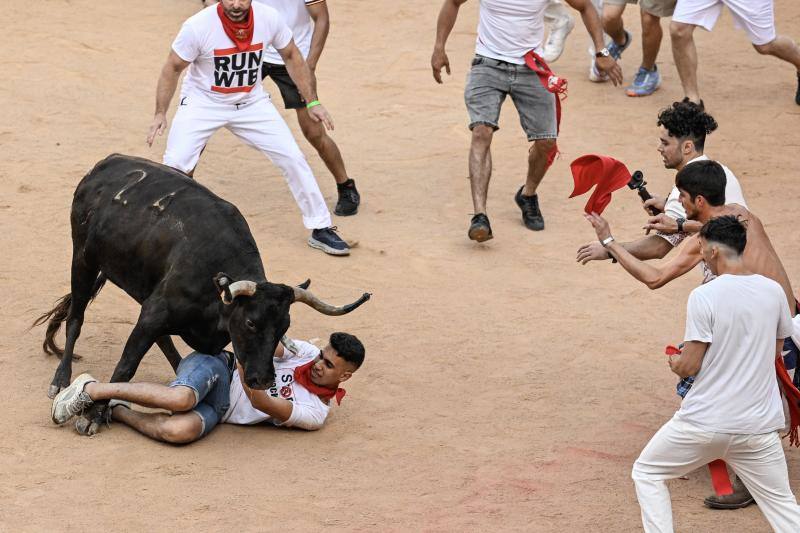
x=736 y=390
x=295 y=15
x=508 y=29
x=308 y=411
x=219 y=72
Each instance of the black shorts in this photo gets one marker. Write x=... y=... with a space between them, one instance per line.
x=292 y=99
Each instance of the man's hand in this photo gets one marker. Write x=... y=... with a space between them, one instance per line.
x=439 y=60
x=662 y=223
x=659 y=203
x=157 y=127
x=600 y=226
x=320 y=114
x=609 y=66
x=593 y=251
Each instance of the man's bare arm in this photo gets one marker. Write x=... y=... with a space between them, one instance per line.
x=689 y=361
x=591 y=19
x=444 y=25
x=277 y=408
x=165 y=90
x=646 y=248
x=654 y=277
x=304 y=79
x=319 y=14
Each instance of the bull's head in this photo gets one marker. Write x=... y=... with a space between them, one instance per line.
x=257 y=317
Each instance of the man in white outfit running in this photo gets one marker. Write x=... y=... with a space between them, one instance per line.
x=224 y=47
x=735 y=328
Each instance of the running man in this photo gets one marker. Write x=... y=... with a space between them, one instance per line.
x=309 y=21
x=756 y=17
x=735 y=327
x=507 y=31
x=224 y=47
x=208 y=391
x=648 y=78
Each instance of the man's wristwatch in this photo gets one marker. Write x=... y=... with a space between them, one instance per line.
x=680 y=221
x=608 y=240
x=603 y=53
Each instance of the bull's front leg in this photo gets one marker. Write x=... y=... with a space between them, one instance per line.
x=149 y=328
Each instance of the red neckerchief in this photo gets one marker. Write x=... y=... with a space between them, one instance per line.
x=717 y=468
x=553 y=84
x=241 y=33
x=302 y=375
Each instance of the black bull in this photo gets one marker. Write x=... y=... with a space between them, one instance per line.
x=187 y=256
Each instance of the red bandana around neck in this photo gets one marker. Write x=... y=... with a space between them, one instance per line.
x=241 y=33
x=302 y=375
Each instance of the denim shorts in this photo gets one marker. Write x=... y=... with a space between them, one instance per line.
x=489 y=82
x=209 y=376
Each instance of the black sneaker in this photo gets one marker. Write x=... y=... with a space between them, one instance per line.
x=531 y=215
x=797 y=94
x=740 y=498
x=348 y=199
x=328 y=241
x=479 y=228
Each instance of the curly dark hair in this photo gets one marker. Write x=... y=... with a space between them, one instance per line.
x=687 y=120
x=727 y=230
x=348 y=347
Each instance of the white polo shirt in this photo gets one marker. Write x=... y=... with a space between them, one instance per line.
x=308 y=411
x=509 y=29
x=219 y=72
x=295 y=15
x=735 y=391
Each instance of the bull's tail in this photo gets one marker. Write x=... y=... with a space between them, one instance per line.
x=58 y=314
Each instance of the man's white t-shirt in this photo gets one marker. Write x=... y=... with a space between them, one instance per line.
x=736 y=390
x=219 y=72
x=308 y=411
x=295 y=15
x=509 y=29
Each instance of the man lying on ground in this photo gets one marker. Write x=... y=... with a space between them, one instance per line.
x=207 y=391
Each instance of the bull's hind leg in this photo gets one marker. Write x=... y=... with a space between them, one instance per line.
x=82 y=280
x=148 y=329
x=171 y=353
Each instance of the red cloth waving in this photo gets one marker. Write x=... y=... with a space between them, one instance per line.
x=605 y=172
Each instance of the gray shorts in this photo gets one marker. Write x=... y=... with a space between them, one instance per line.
x=657 y=8
x=488 y=83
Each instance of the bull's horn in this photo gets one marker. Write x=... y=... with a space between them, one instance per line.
x=239 y=288
x=305 y=284
x=308 y=298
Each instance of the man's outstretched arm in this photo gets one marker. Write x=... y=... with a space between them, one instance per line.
x=591 y=19
x=646 y=248
x=652 y=276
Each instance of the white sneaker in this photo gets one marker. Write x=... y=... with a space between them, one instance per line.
x=595 y=75
x=559 y=31
x=72 y=400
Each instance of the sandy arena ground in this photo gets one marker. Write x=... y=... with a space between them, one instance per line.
x=506 y=387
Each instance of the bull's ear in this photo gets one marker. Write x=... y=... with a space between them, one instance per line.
x=222 y=282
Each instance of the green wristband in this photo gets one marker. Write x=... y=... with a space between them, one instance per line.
x=313 y=104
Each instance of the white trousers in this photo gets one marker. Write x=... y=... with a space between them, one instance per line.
x=679 y=447
x=259 y=125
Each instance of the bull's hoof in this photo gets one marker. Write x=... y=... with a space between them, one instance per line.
x=52 y=391
x=86 y=427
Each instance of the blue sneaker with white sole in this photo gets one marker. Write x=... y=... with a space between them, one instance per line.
x=328 y=241
x=616 y=49
x=645 y=83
